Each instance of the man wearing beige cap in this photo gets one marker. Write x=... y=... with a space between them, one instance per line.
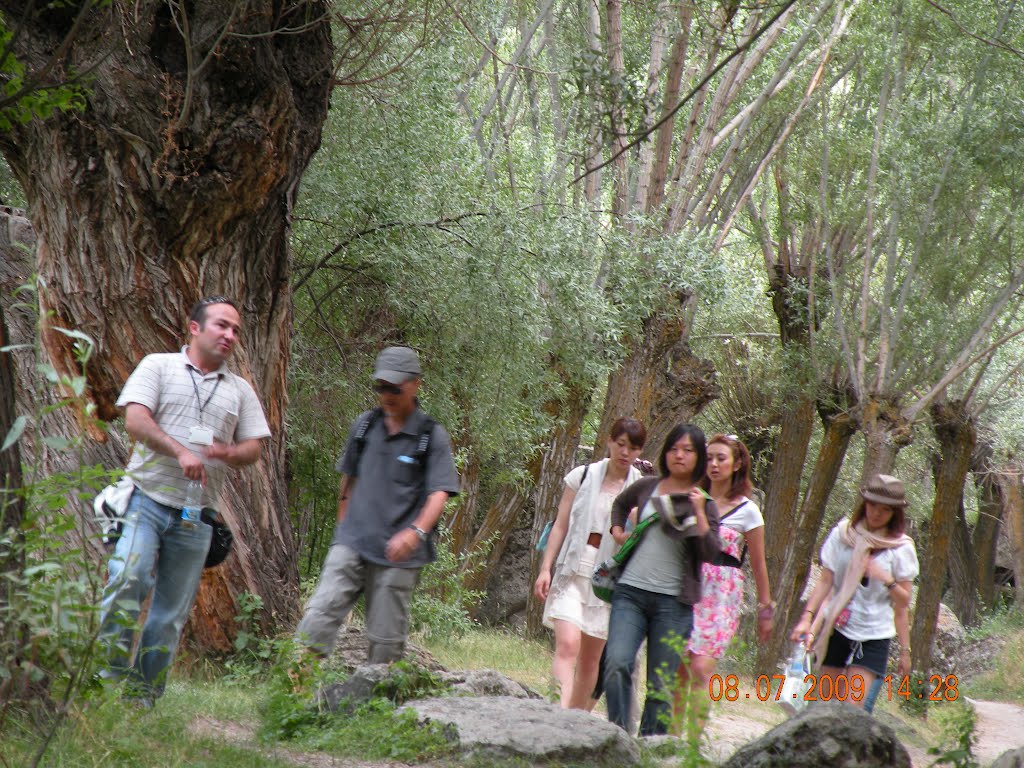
x=397 y=473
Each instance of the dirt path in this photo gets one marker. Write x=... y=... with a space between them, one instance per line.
x=1000 y=727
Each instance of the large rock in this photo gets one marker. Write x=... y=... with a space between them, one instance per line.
x=830 y=734
x=1013 y=758
x=949 y=639
x=508 y=584
x=532 y=730
x=487 y=682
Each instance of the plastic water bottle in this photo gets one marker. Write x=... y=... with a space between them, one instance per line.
x=193 y=504
x=796 y=661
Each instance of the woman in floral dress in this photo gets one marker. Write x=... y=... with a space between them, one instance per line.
x=716 y=618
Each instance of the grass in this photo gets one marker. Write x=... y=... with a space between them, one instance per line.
x=526 y=661
x=105 y=732
x=1005 y=680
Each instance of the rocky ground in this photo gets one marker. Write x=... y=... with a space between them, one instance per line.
x=1000 y=725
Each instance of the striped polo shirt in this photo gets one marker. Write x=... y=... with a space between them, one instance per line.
x=181 y=397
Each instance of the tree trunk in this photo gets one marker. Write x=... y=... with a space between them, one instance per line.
x=985 y=536
x=782 y=491
x=559 y=457
x=661 y=382
x=962 y=573
x=885 y=433
x=956 y=436
x=789 y=575
x=181 y=173
x=10 y=459
x=463 y=519
x=491 y=534
x=1013 y=514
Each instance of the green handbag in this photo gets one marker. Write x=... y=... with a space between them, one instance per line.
x=606 y=575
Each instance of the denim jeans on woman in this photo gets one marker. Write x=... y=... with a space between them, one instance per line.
x=154 y=553
x=638 y=614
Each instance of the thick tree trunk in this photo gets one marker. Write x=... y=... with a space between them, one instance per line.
x=956 y=435
x=178 y=180
x=1013 y=515
x=886 y=431
x=491 y=534
x=782 y=491
x=463 y=519
x=558 y=459
x=661 y=382
x=789 y=575
x=962 y=573
x=10 y=459
x=985 y=536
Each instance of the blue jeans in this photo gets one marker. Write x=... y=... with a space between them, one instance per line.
x=638 y=614
x=155 y=553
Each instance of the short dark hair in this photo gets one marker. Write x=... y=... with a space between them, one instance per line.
x=632 y=429
x=897 y=524
x=198 y=313
x=696 y=435
x=741 y=484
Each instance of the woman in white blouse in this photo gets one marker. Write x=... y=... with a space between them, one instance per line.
x=860 y=603
x=578 y=541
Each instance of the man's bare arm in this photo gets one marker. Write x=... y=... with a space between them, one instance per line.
x=140 y=424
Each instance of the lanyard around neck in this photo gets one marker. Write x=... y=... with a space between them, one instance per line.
x=199 y=402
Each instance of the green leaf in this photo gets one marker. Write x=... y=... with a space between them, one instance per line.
x=57 y=443
x=77 y=335
x=15 y=432
x=15 y=347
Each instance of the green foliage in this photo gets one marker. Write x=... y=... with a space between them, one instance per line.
x=374 y=730
x=377 y=731
x=49 y=614
x=26 y=95
x=407 y=680
x=958 y=723
x=441 y=602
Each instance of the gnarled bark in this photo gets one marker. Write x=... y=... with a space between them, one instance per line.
x=985 y=536
x=661 y=382
x=955 y=432
x=177 y=180
x=788 y=574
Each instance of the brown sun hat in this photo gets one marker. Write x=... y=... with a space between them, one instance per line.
x=885 y=489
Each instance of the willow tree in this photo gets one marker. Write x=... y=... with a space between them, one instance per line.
x=177 y=178
x=907 y=224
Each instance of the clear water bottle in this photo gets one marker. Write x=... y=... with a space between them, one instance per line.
x=193 y=504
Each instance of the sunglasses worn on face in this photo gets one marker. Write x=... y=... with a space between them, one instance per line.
x=384 y=388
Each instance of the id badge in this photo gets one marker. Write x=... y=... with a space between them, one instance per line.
x=200 y=435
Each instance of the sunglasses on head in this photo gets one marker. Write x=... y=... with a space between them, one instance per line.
x=386 y=388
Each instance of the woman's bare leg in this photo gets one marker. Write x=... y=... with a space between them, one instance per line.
x=563 y=666
x=586 y=672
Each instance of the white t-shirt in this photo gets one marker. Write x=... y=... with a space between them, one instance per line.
x=744 y=517
x=871 y=614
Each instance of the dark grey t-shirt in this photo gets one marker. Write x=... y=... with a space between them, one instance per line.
x=391 y=487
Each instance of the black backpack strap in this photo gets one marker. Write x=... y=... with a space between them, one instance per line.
x=726 y=559
x=423 y=443
x=360 y=436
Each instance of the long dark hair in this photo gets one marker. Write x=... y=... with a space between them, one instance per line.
x=740 y=484
x=696 y=435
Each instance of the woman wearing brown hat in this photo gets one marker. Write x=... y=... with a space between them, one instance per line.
x=860 y=603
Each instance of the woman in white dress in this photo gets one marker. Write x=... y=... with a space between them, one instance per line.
x=578 y=541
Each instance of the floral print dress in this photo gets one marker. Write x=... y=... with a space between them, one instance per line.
x=716 y=618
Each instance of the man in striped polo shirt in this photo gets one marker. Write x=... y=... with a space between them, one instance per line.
x=191 y=419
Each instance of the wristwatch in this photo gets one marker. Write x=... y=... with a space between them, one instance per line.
x=419 y=532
